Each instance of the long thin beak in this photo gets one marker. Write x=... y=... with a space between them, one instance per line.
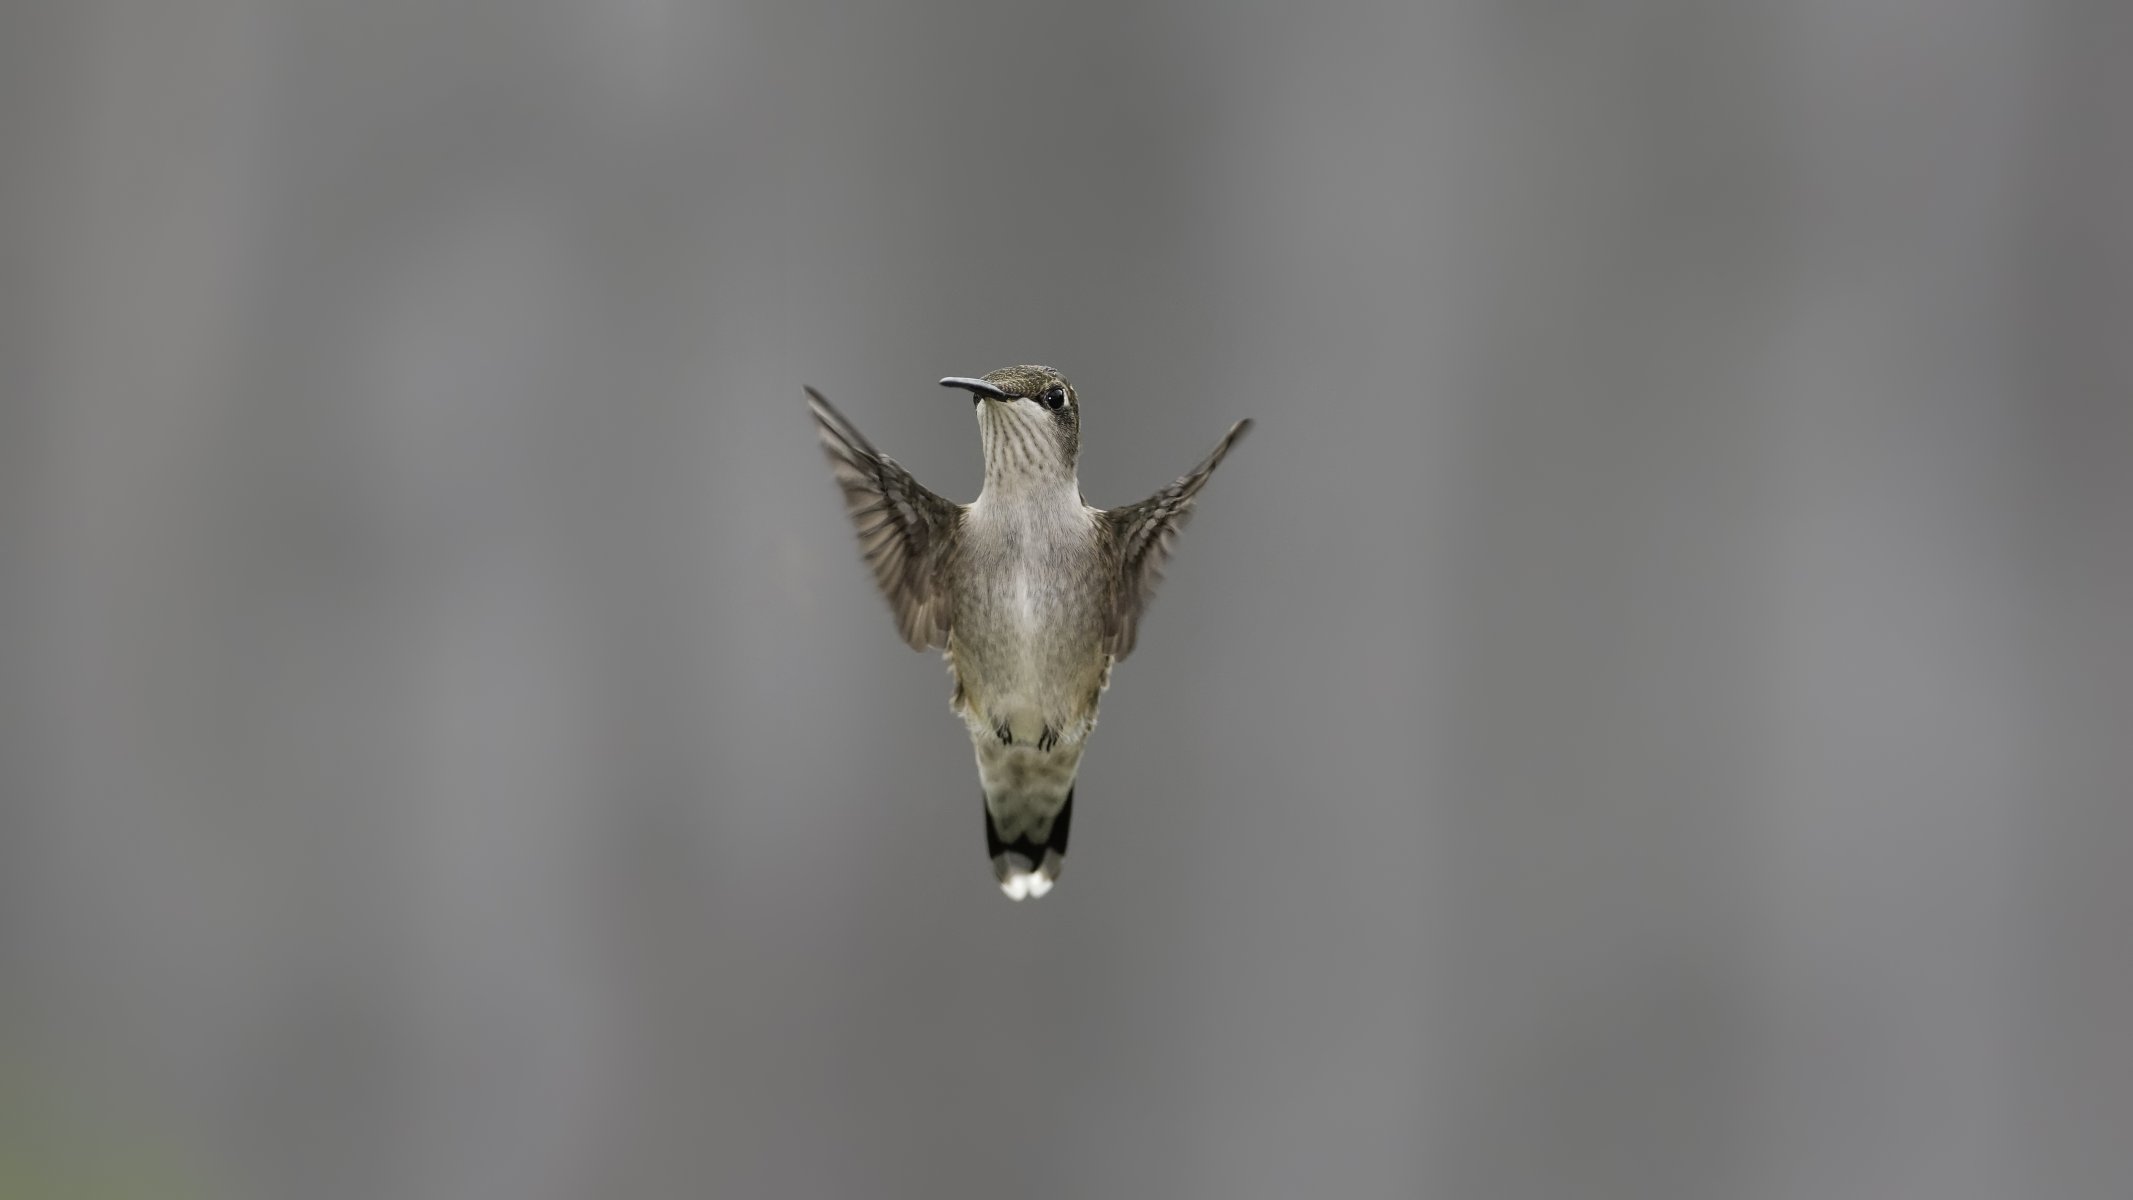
x=979 y=386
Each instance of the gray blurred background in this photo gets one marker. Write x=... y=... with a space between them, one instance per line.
x=1648 y=714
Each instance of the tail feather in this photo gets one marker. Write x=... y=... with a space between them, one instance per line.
x=1028 y=864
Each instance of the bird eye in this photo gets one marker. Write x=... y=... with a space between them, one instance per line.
x=1054 y=397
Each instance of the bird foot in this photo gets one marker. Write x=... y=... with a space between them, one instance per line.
x=1045 y=740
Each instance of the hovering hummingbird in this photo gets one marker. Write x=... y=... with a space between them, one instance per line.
x=1031 y=593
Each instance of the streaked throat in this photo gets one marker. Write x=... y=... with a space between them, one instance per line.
x=1024 y=460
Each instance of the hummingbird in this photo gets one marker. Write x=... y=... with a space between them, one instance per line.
x=1031 y=594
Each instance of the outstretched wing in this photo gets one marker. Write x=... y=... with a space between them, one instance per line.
x=1142 y=535
x=905 y=531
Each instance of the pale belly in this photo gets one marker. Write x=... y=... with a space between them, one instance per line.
x=1029 y=660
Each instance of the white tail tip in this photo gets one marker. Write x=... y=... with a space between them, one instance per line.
x=1025 y=885
x=1019 y=882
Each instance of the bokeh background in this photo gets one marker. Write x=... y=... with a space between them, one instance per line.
x=1649 y=713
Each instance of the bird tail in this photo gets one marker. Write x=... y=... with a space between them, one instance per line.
x=1026 y=835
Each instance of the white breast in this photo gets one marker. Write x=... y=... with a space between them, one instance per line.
x=1025 y=602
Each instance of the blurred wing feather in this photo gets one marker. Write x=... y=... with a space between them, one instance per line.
x=1143 y=535
x=905 y=531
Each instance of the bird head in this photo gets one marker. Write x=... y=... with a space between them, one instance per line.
x=1030 y=419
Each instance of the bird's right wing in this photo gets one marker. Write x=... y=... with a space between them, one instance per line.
x=905 y=531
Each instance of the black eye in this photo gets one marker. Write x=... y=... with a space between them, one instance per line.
x=1054 y=396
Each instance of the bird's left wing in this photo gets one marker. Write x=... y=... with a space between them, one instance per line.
x=905 y=531
x=1142 y=536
